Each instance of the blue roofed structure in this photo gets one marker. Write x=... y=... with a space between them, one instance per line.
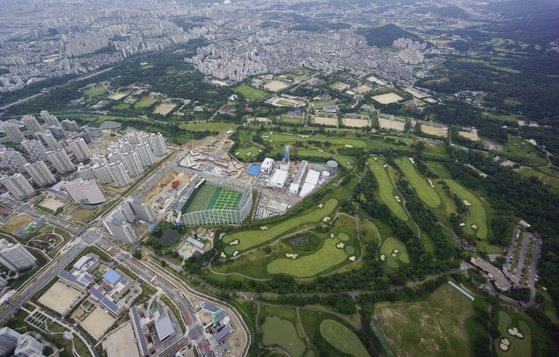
x=112 y=277
x=211 y=308
x=195 y=242
x=254 y=170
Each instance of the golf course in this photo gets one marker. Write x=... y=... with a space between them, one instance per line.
x=477 y=211
x=386 y=189
x=425 y=192
x=342 y=338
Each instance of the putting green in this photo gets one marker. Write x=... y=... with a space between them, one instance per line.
x=349 y=250
x=518 y=346
x=477 y=211
x=392 y=243
x=342 y=338
x=344 y=237
x=386 y=189
x=252 y=238
x=280 y=332
x=425 y=192
x=310 y=265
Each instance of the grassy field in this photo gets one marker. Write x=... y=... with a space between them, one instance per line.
x=251 y=94
x=17 y=224
x=345 y=161
x=386 y=189
x=518 y=346
x=342 y=338
x=252 y=238
x=145 y=102
x=477 y=211
x=280 y=332
x=551 y=181
x=283 y=138
x=94 y=91
x=310 y=265
x=209 y=126
x=519 y=150
x=425 y=192
x=201 y=198
x=388 y=247
x=432 y=327
x=284 y=119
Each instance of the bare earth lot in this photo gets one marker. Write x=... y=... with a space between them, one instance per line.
x=469 y=135
x=52 y=204
x=391 y=124
x=121 y=342
x=387 y=98
x=97 y=322
x=275 y=86
x=356 y=123
x=164 y=108
x=325 y=121
x=433 y=130
x=60 y=297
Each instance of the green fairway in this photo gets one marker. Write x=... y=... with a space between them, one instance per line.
x=425 y=192
x=386 y=189
x=252 y=238
x=477 y=211
x=519 y=347
x=145 y=102
x=432 y=327
x=310 y=265
x=251 y=94
x=392 y=243
x=280 y=332
x=94 y=91
x=342 y=338
x=209 y=126
x=284 y=138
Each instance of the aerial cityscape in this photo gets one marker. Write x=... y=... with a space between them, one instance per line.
x=279 y=178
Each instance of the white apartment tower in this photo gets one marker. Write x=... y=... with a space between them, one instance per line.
x=133 y=163
x=31 y=124
x=35 y=149
x=13 y=133
x=40 y=173
x=102 y=173
x=15 y=257
x=18 y=186
x=11 y=160
x=157 y=143
x=61 y=161
x=120 y=229
x=49 y=119
x=146 y=155
x=119 y=174
x=79 y=149
x=47 y=138
x=85 y=172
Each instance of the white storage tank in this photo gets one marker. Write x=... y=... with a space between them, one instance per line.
x=332 y=167
x=325 y=175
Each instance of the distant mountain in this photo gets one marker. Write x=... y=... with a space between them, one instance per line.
x=384 y=36
x=445 y=11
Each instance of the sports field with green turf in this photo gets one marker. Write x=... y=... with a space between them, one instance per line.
x=224 y=199
x=252 y=238
x=145 y=102
x=477 y=211
x=310 y=265
x=209 y=196
x=425 y=192
x=386 y=189
x=94 y=91
x=342 y=338
x=432 y=327
x=251 y=94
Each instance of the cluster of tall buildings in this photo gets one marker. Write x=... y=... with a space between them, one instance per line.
x=119 y=222
x=13 y=343
x=124 y=160
x=49 y=147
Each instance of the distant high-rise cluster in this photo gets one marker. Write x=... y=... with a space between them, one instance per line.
x=127 y=158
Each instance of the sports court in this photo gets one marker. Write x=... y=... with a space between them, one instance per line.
x=60 y=298
x=224 y=199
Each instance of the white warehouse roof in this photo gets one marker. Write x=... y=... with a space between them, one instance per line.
x=312 y=177
x=306 y=189
x=278 y=178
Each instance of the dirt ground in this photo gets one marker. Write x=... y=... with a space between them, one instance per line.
x=97 y=322
x=165 y=184
x=121 y=342
x=433 y=130
x=275 y=86
x=387 y=98
x=164 y=108
x=52 y=204
x=60 y=297
x=325 y=121
x=391 y=124
x=356 y=123
x=472 y=135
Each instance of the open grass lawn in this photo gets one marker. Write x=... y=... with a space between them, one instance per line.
x=121 y=106
x=342 y=338
x=344 y=161
x=500 y=117
x=432 y=327
x=387 y=248
x=282 y=333
x=145 y=102
x=551 y=181
x=251 y=94
x=209 y=126
x=386 y=189
x=425 y=192
x=477 y=211
x=519 y=347
x=17 y=224
x=284 y=119
x=439 y=169
x=94 y=91
x=519 y=150
x=252 y=238
x=284 y=138
x=310 y=265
